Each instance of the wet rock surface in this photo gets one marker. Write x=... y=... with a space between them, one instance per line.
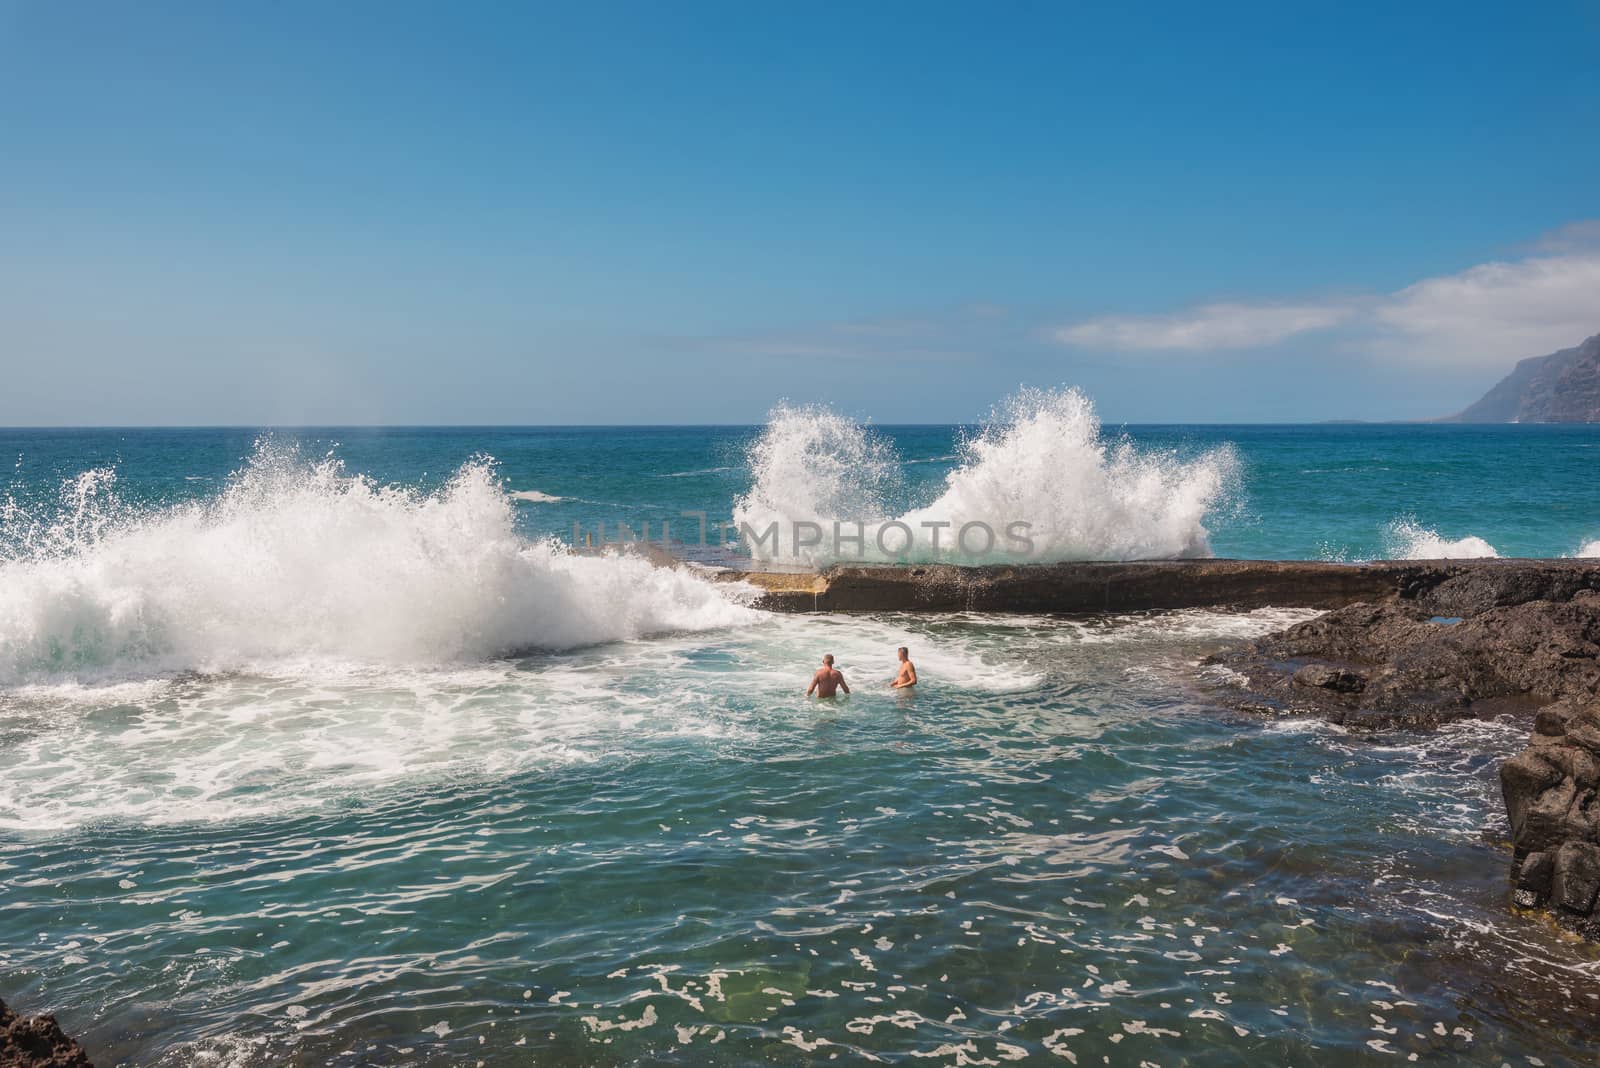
x=1444 y=587
x=37 y=1042
x=1077 y=588
x=1481 y=642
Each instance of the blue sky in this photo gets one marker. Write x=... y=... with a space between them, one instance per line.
x=509 y=213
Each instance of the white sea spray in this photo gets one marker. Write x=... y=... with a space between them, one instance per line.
x=299 y=558
x=1407 y=539
x=1041 y=462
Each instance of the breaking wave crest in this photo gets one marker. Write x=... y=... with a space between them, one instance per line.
x=1041 y=462
x=1406 y=539
x=297 y=559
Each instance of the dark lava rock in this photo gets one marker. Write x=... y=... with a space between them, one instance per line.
x=1550 y=794
x=1512 y=635
x=1531 y=878
x=37 y=1042
x=1328 y=677
x=1479 y=589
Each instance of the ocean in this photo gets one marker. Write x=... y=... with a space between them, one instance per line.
x=317 y=747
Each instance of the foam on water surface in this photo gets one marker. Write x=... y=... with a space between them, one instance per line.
x=244 y=745
x=659 y=848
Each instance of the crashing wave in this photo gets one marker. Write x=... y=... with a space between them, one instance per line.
x=1406 y=539
x=1039 y=483
x=295 y=559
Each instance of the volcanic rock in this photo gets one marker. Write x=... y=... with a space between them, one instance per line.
x=37 y=1042
x=1514 y=637
x=1550 y=795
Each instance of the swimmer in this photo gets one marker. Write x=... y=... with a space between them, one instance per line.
x=907 y=676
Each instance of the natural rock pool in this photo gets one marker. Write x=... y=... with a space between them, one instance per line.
x=658 y=851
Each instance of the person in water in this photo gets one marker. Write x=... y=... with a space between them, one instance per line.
x=828 y=680
x=907 y=676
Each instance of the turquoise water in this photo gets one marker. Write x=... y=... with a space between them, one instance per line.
x=1302 y=492
x=311 y=771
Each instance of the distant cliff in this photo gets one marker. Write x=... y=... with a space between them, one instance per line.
x=1563 y=387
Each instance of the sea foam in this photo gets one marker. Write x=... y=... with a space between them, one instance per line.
x=299 y=559
x=1041 y=461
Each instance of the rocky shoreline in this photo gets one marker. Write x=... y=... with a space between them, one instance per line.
x=1482 y=642
x=1550 y=794
x=37 y=1042
x=1479 y=641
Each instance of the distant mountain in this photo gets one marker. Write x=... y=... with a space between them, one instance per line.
x=1563 y=387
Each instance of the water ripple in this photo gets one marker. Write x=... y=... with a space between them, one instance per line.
x=661 y=853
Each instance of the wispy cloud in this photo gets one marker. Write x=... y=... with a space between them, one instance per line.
x=1481 y=318
x=1487 y=315
x=1209 y=326
x=1583 y=235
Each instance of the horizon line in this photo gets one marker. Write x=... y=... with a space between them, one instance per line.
x=728 y=426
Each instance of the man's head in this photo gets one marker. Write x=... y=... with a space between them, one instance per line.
x=905 y=654
x=827 y=659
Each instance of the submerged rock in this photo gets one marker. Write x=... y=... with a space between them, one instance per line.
x=37 y=1042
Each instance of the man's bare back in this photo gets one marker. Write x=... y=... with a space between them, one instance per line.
x=828 y=680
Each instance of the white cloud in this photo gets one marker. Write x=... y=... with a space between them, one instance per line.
x=1209 y=326
x=1495 y=313
x=1490 y=315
